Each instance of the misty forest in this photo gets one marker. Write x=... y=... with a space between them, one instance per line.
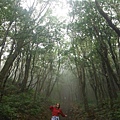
x=47 y=58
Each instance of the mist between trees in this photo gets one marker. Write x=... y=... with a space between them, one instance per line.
x=74 y=61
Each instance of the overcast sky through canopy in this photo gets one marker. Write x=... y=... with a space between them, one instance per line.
x=60 y=8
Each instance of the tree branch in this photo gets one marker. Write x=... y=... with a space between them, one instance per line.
x=107 y=18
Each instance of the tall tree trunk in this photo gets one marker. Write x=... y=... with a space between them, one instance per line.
x=16 y=69
x=27 y=69
x=110 y=91
x=4 y=40
x=107 y=70
x=82 y=81
x=93 y=85
x=5 y=70
x=116 y=62
x=21 y=71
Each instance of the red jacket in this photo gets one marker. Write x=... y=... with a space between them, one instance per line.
x=56 y=112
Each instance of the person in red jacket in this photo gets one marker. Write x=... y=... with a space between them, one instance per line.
x=56 y=111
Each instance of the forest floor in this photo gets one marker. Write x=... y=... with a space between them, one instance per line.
x=22 y=107
x=76 y=113
x=102 y=112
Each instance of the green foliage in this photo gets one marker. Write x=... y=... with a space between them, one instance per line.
x=7 y=111
x=103 y=111
x=19 y=105
x=117 y=114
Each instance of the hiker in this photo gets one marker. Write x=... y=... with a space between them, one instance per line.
x=56 y=111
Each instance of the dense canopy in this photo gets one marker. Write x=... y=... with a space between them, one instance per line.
x=72 y=59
